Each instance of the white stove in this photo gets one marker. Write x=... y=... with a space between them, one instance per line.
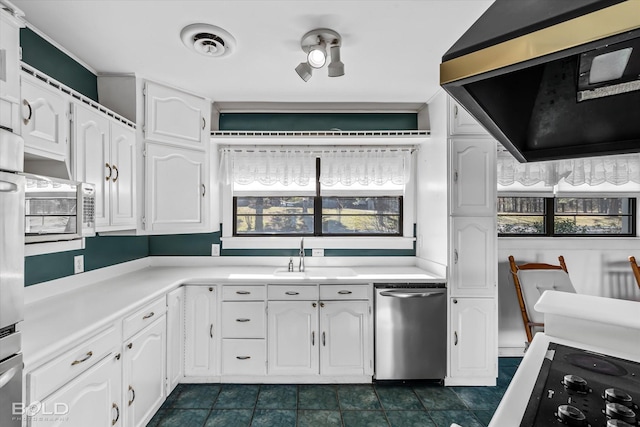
x=583 y=371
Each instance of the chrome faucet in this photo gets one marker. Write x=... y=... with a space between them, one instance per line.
x=301 y=254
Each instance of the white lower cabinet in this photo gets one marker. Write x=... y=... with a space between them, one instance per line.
x=90 y=399
x=144 y=373
x=473 y=338
x=244 y=356
x=175 y=338
x=200 y=331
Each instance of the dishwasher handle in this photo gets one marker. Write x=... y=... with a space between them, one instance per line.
x=405 y=294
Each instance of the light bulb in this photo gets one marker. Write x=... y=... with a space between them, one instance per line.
x=317 y=56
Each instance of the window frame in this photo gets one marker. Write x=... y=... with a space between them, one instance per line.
x=318 y=215
x=550 y=215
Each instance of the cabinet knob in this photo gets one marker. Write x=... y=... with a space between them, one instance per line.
x=117 y=356
x=321 y=304
x=210 y=289
x=455 y=301
x=314 y=305
x=130 y=345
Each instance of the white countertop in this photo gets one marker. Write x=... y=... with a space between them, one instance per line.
x=85 y=303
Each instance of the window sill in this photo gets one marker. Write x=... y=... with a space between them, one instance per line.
x=346 y=242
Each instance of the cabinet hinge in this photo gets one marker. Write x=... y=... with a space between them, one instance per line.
x=20 y=53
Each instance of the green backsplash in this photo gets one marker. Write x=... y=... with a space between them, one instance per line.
x=47 y=58
x=99 y=252
x=317 y=121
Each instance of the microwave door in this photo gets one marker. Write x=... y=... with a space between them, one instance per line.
x=11 y=248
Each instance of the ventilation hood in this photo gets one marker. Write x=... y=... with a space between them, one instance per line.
x=552 y=79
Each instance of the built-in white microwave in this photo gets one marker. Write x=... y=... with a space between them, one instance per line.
x=57 y=209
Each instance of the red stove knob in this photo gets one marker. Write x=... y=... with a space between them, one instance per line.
x=575 y=383
x=572 y=416
x=617 y=411
x=618 y=423
x=615 y=395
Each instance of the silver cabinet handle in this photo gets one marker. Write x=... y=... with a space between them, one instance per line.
x=243 y=292
x=455 y=111
x=313 y=338
x=107 y=178
x=211 y=330
x=204 y=123
x=455 y=256
x=84 y=359
x=400 y=294
x=148 y=315
x=115 y=168
x=455 y=338
x=345 y=292
x=243 y=357
x=455 y=176
x=8 y=375
x=114 y=421
x=292 y=293
x=324 y=342
x=26 y=104
x=133 y=395
x=243 y=320
x=204 y=190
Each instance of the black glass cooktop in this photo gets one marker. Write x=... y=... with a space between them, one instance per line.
x=580 y=388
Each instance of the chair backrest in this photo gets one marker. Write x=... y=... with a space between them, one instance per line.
x=531 y=280
x=636 y=269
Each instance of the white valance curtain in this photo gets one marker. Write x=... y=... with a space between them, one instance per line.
x=594 y=171
x=340 y=165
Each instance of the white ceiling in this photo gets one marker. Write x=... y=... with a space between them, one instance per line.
x=391 y=49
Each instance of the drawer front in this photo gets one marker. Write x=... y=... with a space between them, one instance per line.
x=243 y=320
x=244 y=357
x=62 y=369
x=293 y=292
x=143 y=317
x=243 y=292
x=338 y=292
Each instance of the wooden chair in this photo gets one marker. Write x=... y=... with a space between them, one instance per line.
x=636 y=269
x=531 y=280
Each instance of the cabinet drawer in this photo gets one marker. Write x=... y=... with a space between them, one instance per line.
x=57 y=372
x=243 y=319
x=243 y=292
x=243 y=357
x=143 y=317
x=293 y=292
x=337 y=292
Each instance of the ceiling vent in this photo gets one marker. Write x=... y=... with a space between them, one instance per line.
x=208 y=40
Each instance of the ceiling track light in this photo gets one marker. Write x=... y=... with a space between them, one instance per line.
x=315 y=44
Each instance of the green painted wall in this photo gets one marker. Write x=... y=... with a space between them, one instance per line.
x=99 y=252
x=47 y=58
x=317 y=121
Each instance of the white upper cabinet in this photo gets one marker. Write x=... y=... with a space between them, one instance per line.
x=176 y=117
x=177 y=197
x=473 y=338
x=9 y=72
x=45 y=119
x=473 y=177
x=463 y=123
x=105 y=154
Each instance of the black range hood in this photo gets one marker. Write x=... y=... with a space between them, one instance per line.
x=552 y=79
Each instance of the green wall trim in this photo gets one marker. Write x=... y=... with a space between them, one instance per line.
x=317 y=121
x=47 y=58
x=99 y=252
x=183 y=244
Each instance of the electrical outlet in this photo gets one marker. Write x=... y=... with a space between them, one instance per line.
x=78 y=264
x=215 y=249
x=317 y=252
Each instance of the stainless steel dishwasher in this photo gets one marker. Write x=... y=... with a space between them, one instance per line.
x=410 y=331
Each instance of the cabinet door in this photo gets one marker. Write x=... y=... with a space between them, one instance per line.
x=344 y=337
x=45 y=123
x=200 y=331
x=123 y=188
x=9 y=73
x=144 y=373
x=176 y=189
x=473 y=263
x=93 y=165
x=473 y=177
x=292 y=337
x=463 y=123
x=176 y=117
x=175 y=338
x=473 y=338
x=90 y=399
